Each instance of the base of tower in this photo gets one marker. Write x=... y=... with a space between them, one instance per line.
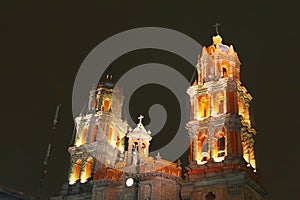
x=230 y=179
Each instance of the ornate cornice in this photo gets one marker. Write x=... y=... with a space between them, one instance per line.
x=88 y=147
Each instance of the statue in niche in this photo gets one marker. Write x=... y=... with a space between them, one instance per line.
x=144 y=148
x=135 y=147
x=203 y=104
x=134 y=159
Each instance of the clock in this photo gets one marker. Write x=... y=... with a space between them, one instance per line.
x=129 y=182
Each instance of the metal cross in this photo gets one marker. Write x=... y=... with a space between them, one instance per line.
x=140 y=118
x=217 y=27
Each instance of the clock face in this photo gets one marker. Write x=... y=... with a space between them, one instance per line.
x=129 y=182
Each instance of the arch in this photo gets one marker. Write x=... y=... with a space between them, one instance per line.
x=225 y=69
x=84 y=134
x=204 y=151
x=220 y=145
x=135 y=146
x=210 y=196
x=94 y=135
x=202 y=147
x=77 y=169
x=211 y=50
x=203 y=105
x=219 y=103
x=144 y=148
x=88 y=167
x=106 y=104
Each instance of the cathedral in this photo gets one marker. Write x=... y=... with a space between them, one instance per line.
x=110 y=160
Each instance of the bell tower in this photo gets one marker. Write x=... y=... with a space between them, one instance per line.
x=138 y=144
x=220 y=131
x=99 y=133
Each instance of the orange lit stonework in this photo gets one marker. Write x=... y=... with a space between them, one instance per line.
x=220 y=131
x=99 y=133
x=107 y=152
x=220 y=108
x=99 y=156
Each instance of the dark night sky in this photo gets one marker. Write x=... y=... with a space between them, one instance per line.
x=43 y=45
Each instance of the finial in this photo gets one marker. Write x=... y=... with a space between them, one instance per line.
x=217 y=27
x=109 y=74
x=179 y=163
x=140 y=118
x=158 y=157
x=217 y=39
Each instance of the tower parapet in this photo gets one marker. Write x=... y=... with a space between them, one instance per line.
x=218 y=61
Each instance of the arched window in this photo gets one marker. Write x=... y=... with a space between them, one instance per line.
x=88 y=168
x=77 y=169
x=225 y=69
x=84 y=134
x=220 y=98
x=94 y=134
x=218 y=103
x=221 y=146
x=202 y=147
x=106 y=104
x=204 y=152
x=211 y=50
x=144 y=148
x=203 y=105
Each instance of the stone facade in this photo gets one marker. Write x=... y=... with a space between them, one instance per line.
x=222 y=162
x=110 y=160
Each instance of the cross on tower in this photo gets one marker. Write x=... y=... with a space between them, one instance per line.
x=217 y=27
x=140 y=118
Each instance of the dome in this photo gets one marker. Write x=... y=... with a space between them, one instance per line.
x=224 y=47
x=109 y=83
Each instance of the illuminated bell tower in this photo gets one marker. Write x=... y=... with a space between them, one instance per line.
x=220 y=131
x=138 y=144
x=99 y=133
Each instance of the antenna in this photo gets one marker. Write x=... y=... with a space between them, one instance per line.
x=45 y=163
